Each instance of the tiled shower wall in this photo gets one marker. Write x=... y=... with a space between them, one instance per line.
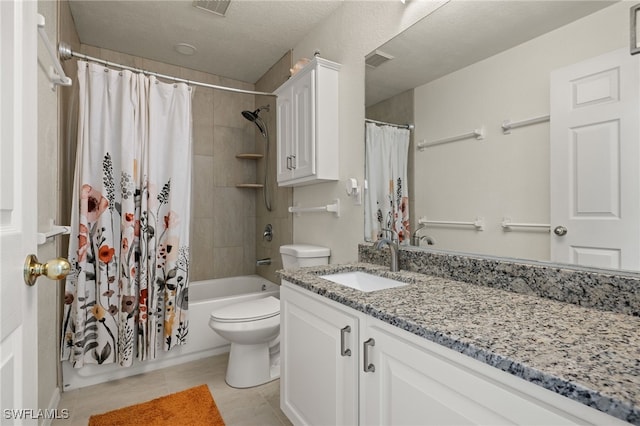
x=281 y=197
x=223 y=217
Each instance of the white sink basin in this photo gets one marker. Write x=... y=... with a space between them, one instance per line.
x=363 y=281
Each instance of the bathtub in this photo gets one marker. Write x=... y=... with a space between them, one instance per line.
x=204 y=297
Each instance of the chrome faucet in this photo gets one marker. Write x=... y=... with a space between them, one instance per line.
x=415 y=240
x=393 y=247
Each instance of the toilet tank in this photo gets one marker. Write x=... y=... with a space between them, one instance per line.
x=298 y=255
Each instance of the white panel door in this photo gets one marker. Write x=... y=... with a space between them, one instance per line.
x=595 y=162
x=18 y=154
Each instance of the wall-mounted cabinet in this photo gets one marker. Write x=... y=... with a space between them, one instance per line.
x=307 y=120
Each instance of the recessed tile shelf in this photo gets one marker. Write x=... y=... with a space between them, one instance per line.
x=250 y=156
x=250 y=185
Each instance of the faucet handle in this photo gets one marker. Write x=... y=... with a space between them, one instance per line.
x=268 y=232
x=395 y=237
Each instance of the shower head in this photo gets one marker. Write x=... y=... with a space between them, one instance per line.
x=254 y=116
x=251 y=115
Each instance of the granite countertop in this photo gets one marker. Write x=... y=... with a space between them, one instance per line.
x=589 y=355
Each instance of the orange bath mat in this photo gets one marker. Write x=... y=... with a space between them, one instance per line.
x=191 y=407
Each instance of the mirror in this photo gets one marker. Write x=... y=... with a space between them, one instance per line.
x=474 y=65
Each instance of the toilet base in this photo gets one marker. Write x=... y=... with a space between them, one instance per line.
x=251 y=365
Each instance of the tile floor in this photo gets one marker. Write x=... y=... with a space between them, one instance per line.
x=258 y=406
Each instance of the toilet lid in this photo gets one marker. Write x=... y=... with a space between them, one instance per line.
x=251 y=310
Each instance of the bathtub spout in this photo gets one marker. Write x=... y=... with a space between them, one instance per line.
x=265 y=261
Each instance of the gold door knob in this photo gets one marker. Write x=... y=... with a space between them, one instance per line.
x=55 y=269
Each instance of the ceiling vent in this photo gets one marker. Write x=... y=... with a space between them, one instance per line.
x=377 y=58
x=219 y=7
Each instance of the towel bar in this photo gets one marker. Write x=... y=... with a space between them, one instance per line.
x=53 y=232
x=56 y=73
x=477 y=133
x=333 y=208
x=507 y=225
x=478 y=223
x=507 y=125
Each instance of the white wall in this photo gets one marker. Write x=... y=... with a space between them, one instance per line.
x=504 y=175
x=354 y=30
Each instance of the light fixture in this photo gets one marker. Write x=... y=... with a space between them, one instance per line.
x=185 y=49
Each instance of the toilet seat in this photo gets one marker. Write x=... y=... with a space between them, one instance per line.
x=252 y=310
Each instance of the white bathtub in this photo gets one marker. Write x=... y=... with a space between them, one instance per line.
x=204 y=297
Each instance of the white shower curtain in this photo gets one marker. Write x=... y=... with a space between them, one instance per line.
x=387 y=200
x=127 y=295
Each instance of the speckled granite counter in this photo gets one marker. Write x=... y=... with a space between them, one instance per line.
x=589 y=355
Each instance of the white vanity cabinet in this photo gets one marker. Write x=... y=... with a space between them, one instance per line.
x=419 y=382
x=307 y=121
x=319 y=361
x=396 y=378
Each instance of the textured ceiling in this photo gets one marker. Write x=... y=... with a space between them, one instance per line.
x=242 y=45
x=461 y=33
x=254 y=34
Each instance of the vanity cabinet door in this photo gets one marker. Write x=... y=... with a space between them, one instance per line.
x=411 y=386
x=418 y=382
x=319 y=375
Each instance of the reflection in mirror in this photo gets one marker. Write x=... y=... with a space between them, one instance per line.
x=487 y=64
x=386 y=210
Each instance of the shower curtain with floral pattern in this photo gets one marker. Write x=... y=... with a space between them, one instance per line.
x=127 y=295
x=387 y=199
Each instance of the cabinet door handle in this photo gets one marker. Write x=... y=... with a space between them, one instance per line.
x=294 y=163
x=343 y=341
x=368 y=367
x=288 y=162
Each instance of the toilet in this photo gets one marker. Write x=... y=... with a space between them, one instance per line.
x=253 y=327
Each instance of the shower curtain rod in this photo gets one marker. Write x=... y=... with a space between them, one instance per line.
x=65 y=53
x=403 y=126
